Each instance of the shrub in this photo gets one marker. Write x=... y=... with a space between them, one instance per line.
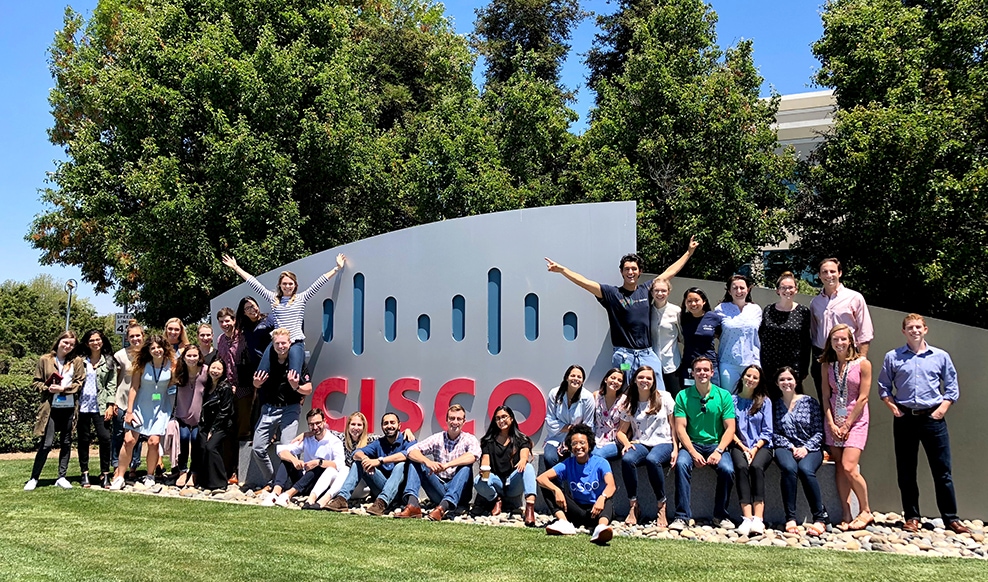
x=18 y=409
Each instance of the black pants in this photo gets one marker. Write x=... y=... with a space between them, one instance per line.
x=908 y=432
x=576 y=513
x=750 y=479
x=816 y=373
x=287 y=477
x=211 y=470
x=88 y=421
x=60 y=421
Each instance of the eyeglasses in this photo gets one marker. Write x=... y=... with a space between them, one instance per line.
x=315 y=424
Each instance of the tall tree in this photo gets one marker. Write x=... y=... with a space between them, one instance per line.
x=897 y=190
x=538 y=30
x=267 y=130
x=680 y=129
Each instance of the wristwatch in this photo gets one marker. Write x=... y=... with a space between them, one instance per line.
x=718 y=449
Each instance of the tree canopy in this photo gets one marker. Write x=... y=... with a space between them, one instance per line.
x=897 y=191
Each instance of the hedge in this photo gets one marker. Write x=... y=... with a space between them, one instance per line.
x=18 y=408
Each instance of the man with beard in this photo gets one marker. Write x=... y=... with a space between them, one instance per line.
x=381 y=465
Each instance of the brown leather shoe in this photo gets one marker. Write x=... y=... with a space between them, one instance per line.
x=410 y=511
x=337 y=503
x=437 y=513
x=529 y=514
x=958 y=528
x=912 y=525
x=378 y=508
x=496 y=506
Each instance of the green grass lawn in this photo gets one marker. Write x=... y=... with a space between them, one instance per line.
x=51 y=534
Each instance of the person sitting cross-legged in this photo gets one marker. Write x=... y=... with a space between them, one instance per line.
x=580 y=489
x=304 y=461
x=381 y=464
x=446 y=475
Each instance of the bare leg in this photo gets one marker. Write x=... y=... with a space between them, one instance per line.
x=153 y=456
x=126 y=453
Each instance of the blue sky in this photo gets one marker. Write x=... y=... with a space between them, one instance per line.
x=782 y=31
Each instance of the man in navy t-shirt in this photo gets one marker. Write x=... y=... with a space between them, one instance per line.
x=628 y=309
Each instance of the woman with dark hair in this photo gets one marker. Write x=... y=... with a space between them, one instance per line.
x=751 y=450
x=580 y=489
x=700 y=328
x=190 y=377
x=505 y=470
x=58 y=378
x=785 y=331
x=287 y=307
x=96 y=402
x=648 y=412
x=608 y=410
x=798 y=436
x=250 y=322
x=739 y=343
x=215 y=423
x=569 y=404
x=845 y=398
x=149 y=405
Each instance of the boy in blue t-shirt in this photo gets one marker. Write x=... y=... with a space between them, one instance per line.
x=580 y=489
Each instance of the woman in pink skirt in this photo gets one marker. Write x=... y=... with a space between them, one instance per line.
x=846 y=420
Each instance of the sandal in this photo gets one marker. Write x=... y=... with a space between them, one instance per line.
x=791 y=527
x=634 y=512
x=816 y=529
x=860 y=522
x=182 y=479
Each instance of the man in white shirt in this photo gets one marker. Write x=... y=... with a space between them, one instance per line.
x=302 y=462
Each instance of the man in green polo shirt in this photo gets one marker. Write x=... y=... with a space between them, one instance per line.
x=705 y=425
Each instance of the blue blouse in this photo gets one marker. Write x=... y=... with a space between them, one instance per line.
x=752 y=428
x=739 y=341
x=803 y=427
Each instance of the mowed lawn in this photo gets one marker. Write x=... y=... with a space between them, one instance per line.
x=51 y=534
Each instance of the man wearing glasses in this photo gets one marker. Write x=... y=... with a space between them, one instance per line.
x=704 y=417
x=302 y=462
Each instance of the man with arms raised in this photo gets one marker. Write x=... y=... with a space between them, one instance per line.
x=446 y=474
x=628 y=309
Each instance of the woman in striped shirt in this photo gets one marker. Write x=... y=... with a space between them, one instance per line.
x=287 y=308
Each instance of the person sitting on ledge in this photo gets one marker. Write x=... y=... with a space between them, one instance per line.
x=445 y=476
x=320 y=452
x=705 y=427
x=505 y=467
x=580 y=489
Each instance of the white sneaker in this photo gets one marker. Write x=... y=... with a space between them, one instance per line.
x=745 y=528
x=282 y=500
x=757 y=526
x=31 y=485
x=560 y=528
x=63 y=483
x=726 y=524
x=267 y=499
x=149 y=481
x=602 y=534
x=117 y=484
x=678 y=524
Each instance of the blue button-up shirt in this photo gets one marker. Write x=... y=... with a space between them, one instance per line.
x=914 y=380
x=382 y=448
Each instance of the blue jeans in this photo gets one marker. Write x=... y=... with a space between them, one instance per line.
x=608 y=451
x=515 y=485
x=383 y=484
x=273 y=418
x=654 y=458
x=684 y=473
x=438 y=490
x=805 y=469
x=189 y=436
x=635 y=359
x=296 y=357
x=908 y=432
x=550 y=456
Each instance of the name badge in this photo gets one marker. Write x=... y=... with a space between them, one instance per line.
x=156 y=397
x=841 y=411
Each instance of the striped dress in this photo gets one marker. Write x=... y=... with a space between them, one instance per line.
x=288 y=315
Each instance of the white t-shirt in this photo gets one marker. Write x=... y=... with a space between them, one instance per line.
x=652 y=429
x=329 y=448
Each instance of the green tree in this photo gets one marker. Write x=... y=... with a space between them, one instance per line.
x=32 y=315
x=269 y=131
x=680 y=129
x=537 y=30
x=897 y=191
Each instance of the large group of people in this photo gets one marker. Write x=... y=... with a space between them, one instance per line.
x=691 y=386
